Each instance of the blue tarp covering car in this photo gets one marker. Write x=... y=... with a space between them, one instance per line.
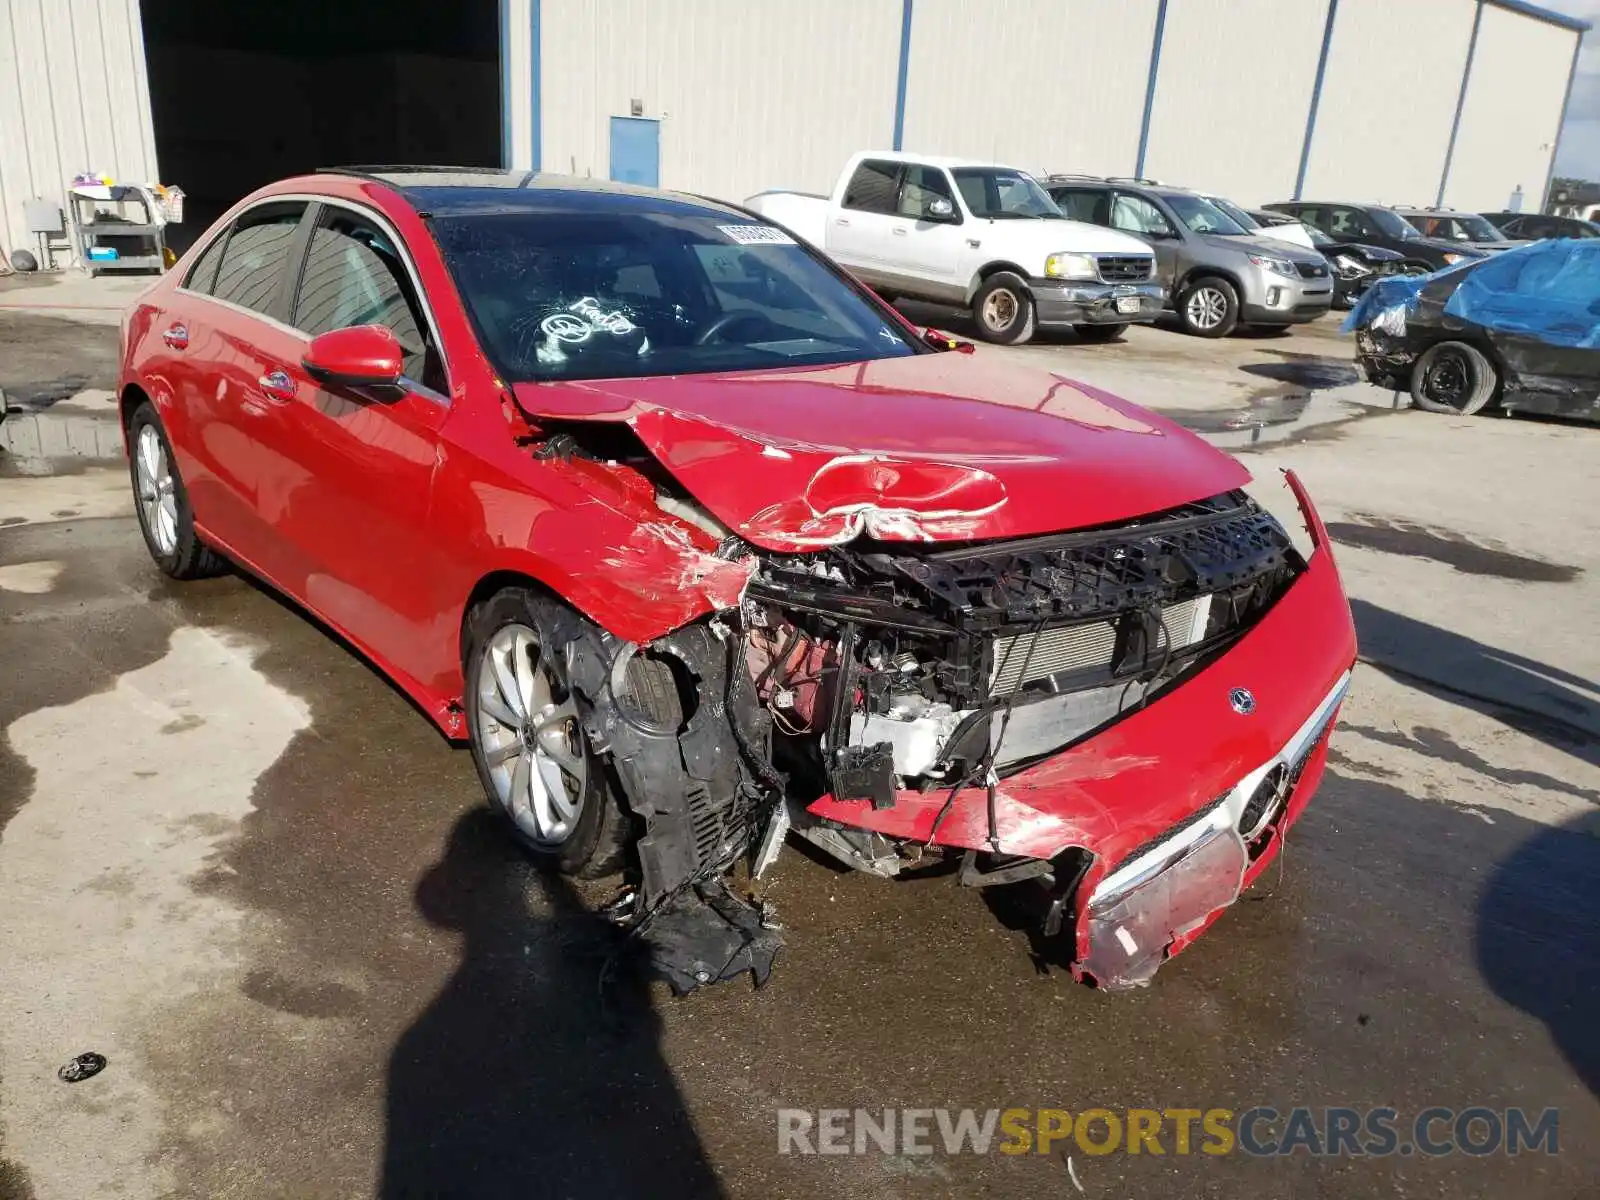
x=1522 y=328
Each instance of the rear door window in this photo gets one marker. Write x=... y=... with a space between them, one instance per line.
x=204 y=272
x=873 y=187
x=1084 y=204
x=354 y=275
x=253 y=264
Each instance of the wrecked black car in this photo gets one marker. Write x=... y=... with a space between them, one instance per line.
x=1521 y=329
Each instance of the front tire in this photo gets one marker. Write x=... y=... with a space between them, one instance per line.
x=1099 y=333
x=162 y=503
x=528 y=742
x=1209 y=307
x=1002 y=309
x=1453 y=377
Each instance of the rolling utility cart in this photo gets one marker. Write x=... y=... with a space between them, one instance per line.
x=119 y=227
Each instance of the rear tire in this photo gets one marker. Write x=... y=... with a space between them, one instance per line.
x=1453 y=377
x=162 y=502
x=1002 y=310
x=1208 y=307
x=1099 y=333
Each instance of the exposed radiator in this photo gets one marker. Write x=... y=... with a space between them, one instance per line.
x=1085 y=647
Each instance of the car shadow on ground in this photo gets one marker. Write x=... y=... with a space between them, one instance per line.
x=1544 y=702
x=524 y=1076
x=1538 y=937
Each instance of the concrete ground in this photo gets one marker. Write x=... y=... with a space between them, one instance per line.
x=237 y=863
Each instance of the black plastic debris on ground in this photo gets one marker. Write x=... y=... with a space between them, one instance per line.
x=707 y=934
x=82 y=1067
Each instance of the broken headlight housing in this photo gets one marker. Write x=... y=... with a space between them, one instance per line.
x=1350 y=267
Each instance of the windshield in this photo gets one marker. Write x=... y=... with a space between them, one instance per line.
x=1393 y=224
x=613 y=295
x=1318 y=238
x=1240 y=218
x=1478 y=229
x=999 y=194
x=1463 y=227
x=1202 y=216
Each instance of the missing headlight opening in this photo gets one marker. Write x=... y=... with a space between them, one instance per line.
x=877 y=673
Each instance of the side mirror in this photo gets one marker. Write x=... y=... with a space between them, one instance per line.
x=943 y=341
x=941 y=209
x=362 y=356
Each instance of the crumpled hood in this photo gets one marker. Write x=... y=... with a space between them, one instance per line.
x=930 y=447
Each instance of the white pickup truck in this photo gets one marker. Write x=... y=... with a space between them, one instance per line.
x=985 y=237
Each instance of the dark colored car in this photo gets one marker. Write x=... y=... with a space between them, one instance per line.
x=1218 y=273
x=1377 y=225
x=1532 y=226
x=1356 y=265
x=1522 y=327
x=695 y=542
x=1463 y=228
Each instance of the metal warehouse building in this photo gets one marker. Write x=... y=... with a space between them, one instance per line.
x=1403 y=101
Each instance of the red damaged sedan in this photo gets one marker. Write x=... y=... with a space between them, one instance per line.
x=701 y=546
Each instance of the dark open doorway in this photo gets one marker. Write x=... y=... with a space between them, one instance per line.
x=246 y=92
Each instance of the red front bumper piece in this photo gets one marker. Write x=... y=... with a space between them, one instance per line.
x=1136 y=789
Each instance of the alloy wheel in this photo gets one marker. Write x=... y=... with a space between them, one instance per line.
x=528 y=733
x=1206 y=308
x=158 y=501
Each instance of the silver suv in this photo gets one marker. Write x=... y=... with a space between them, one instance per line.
x=1218 y=274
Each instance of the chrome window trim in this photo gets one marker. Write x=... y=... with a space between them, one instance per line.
x=386 y=226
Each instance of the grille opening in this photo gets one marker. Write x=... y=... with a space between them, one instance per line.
x=1130 y=268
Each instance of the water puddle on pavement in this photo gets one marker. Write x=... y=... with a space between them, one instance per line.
x=135 y=790
x=55 y=427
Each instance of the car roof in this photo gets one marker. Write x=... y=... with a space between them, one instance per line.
x=933 y=160
x=442 y=191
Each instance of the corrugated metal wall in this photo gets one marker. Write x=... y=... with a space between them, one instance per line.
x=1232 y=94
x=1388 y=100
x=1048 y=85
x=73 y=97
x=1511 y=113
x=748 y=96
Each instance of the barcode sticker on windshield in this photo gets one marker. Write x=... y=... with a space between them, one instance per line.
x=757 y=235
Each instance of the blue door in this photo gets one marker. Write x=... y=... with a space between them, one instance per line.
x=636 y=150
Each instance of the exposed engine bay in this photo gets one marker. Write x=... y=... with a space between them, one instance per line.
x=870 y=671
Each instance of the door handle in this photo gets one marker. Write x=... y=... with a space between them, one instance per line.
x=176 y=336
x=840 y=221
x=276 y=385
x=899 y=231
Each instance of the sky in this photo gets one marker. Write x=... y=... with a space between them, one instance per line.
x=1580 y=137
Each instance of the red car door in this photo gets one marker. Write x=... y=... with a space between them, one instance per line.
x=345 y=478
x=226 y=337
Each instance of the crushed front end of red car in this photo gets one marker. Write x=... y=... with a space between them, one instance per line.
x=1120 y=722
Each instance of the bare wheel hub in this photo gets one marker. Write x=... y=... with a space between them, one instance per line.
x=999 y=309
